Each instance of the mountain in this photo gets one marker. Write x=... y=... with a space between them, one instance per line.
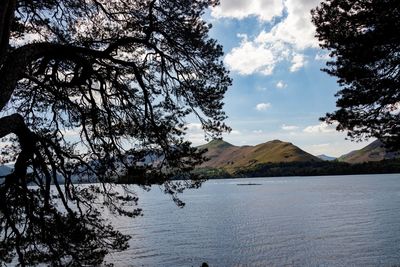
x=372 y=152
x=325 y=157
x=229 y=157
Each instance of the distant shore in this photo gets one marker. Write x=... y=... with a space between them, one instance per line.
x=303 y=169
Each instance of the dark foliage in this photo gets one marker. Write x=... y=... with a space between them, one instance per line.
x=92 y=91
x=364 y=43
x=309 y=169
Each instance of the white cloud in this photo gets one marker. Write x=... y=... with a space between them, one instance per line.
x=75 y=132
x=296 y=29
x=289 y=127
x=323 y=127
x=281 y=85
x=194 y=127
x=284 y=42
x=235 y=132
x=263 y=106
x=298 y=61
x=239 y=9
x=250 y=57
x=393 y=109
x=26 y=39
x=257 y=131
x=195 y=133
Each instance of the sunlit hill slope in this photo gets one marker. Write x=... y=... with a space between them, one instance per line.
x=227 y=156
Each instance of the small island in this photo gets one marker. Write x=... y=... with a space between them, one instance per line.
x=249 y=184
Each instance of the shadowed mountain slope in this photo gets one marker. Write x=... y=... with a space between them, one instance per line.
x=372 y=152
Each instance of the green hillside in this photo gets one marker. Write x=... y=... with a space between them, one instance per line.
x=230 y=158
x=372 y=152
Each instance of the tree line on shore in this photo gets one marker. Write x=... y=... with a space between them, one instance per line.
x=304 y=169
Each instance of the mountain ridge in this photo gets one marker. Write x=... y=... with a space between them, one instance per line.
x=224 y=155
x=374 y=151
x=326 y=157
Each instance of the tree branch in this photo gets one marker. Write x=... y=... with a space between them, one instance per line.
x=7 y=9
x=18 y=60
x=15 y=124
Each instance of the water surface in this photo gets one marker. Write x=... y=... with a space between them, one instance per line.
x=289 y=221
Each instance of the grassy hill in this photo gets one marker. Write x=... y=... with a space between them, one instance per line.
x=372 y=152
x=229 y=157
x=277 y=158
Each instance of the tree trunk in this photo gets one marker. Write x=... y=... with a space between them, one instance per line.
x=7 y=9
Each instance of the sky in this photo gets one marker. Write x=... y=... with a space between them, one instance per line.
x=278 y=91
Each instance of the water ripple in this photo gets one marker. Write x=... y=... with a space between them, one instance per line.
x=301 y=221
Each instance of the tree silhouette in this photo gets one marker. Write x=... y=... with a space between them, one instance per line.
x=364 y=43
x=91 y=91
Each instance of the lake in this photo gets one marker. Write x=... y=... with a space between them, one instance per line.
x=287 y=221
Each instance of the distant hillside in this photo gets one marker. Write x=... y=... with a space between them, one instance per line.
x=230 y=157
x=325 y=157
x=372 y=152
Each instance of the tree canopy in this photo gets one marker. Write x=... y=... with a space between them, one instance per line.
x=364 y=43
x=92 y=90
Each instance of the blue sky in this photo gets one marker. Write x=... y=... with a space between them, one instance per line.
x=278 y=90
